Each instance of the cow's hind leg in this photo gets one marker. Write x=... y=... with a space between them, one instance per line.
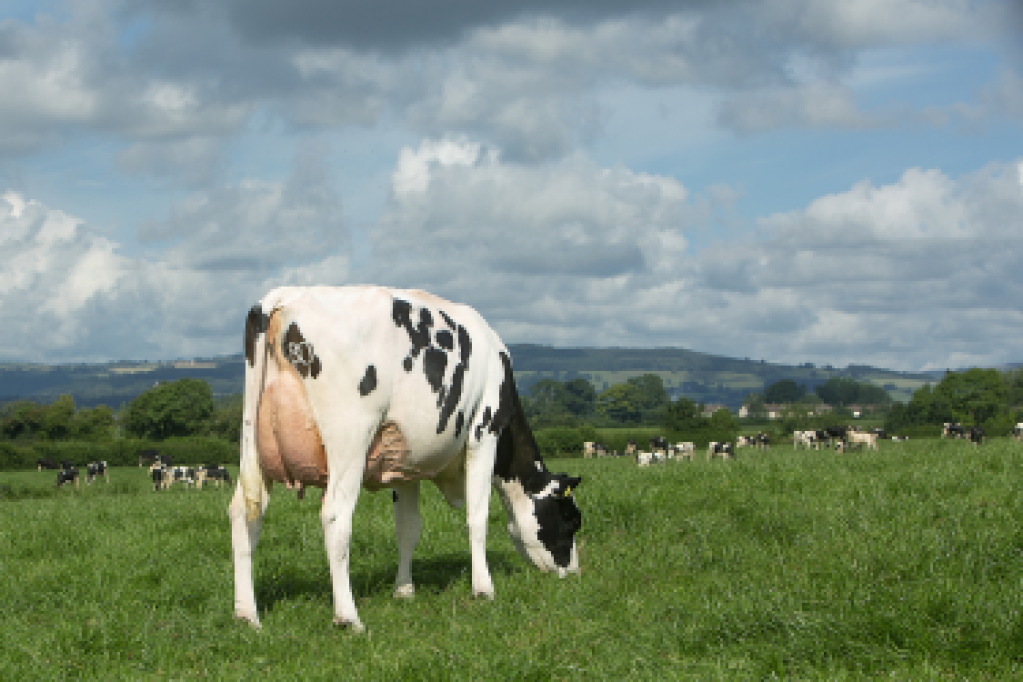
x=244 y=537
x=478 y=471
x=407 y=525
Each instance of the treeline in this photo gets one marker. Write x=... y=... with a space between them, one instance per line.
x=566 y=414
x=175 y=409
x=840 y=392
x=976 y=397
x=179 y=418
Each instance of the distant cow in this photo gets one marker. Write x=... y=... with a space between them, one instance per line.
x=67 y=475
x=685 y=450
x=46 y=463
x=216 y=474
x=976 y=435
x=869 y=440
x=161 y=475
x=630 y=447
x=659 y=444
x=723 y=450
x=94 y=469
x=952 y=430
x=644 y=459
x=147 y=457
x=1017 y=432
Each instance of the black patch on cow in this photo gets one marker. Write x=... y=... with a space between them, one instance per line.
x=447 y=319
x=459 y=423
x=464 y=346
x=508 y=399
x=300 y=353
x=394 y=495
x=255 y=324
x=401 y=312
x=369 y=381
x=435 y=361
x=559 y=519
x=445 y=340
x=407 y=363
x=452 y=397
x=484 y=422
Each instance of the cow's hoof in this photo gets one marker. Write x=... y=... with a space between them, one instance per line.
x=353 y=625
x=405 y=591
x=252 y=620
x=483 y=594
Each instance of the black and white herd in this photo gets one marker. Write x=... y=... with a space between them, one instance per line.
x=161 y=471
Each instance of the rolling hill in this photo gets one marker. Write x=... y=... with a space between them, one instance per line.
x=699 y=376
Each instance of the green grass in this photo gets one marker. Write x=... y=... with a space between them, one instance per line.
x=906 y=563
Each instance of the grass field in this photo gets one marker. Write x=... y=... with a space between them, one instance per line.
x=906 y=564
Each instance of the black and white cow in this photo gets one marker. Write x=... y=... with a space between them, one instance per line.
x=659 y=444
x=46 y=463
x=94 y=469
x=147 y=457
x=368 y=387
x=216 y=474
x=1017 y=432
x=976 y=435
x=162 y=476
x=67 y=474
x=722 y=450
x=952 y=430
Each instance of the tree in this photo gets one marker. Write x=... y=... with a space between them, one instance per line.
x=653 y=397
x=621 y=402
x=57 y=418
x=177 y=408
x=95 y=424
x=579 y=397
x=783 y=391
x=846 y=391
x=683 y=415
x=976 y=393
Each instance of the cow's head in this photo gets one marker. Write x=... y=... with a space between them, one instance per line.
x=543 y=524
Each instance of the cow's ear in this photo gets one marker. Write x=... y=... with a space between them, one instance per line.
x=569 y=484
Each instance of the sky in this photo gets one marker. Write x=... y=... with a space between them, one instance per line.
x=788 y=180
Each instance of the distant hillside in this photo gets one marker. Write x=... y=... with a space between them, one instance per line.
x=698 y=376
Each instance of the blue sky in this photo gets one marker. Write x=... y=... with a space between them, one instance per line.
x=794 y=180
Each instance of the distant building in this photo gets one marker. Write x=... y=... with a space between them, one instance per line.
x=711 y=408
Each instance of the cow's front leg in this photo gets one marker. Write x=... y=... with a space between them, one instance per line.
x=477 y=508
x=244 y=537
x=407 y=526
x=336 y=513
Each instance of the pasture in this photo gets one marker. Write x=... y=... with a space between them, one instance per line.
x=905 y=563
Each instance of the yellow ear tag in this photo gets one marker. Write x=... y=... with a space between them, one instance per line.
x=568 y=491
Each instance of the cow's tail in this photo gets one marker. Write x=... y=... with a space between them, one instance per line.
x=250 y=476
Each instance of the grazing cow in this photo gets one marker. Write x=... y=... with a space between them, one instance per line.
x=659 y=444
x=217 y=474
x=588 y=449
x=868 y=440
x=899 y=439
x=1017 y=432
x=370 y=387
x=147 y=457
x=976 y=435
x=46 y=463
x=67 y=475
x=685 y=450
x=834 y=433
x=745 y=441
x=94 y=469
x=184 y=474
x=630 y=447
x=722 y=450
x=952 y=430
x=644 y=459
x=162 y=476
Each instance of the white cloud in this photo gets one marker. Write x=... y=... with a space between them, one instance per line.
x=67 y=294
